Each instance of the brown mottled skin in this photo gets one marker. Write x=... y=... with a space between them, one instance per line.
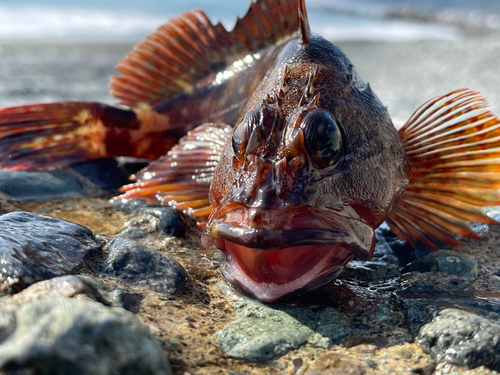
x=374 y=174
x=267 y=193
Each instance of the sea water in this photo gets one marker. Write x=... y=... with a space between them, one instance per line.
x=116 y=20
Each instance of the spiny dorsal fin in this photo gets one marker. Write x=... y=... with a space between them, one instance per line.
x=189 y=48
x=452 y=145
x=305 y=30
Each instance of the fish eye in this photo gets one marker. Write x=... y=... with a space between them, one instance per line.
x=323 y=138
x=242 y=132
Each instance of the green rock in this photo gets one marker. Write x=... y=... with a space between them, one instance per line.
x=263 y=332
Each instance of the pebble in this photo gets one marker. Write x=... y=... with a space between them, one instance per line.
x=262 y=332
x=35 y=247
x=129 y=301
x=165 y=221
x=67 y=336
x=462 y=338
x=446 y=261
x=144 y=267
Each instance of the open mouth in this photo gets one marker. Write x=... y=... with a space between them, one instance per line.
x=273 y=253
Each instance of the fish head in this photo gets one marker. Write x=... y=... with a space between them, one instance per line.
x=314 y=164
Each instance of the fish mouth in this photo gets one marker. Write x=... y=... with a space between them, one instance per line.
x=276 y=253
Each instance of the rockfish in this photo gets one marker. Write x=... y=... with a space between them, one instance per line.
x=268 y=137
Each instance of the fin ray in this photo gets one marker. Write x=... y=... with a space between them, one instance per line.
x=190 y=47
x=179 y=180
x=452 y=147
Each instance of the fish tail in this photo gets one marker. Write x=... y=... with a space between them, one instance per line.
x=452 y=147
x=49 y=135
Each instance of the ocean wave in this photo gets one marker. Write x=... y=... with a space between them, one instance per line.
x=54 y=24
x=346 y=22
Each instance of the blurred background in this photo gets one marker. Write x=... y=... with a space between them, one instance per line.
x=409 y=50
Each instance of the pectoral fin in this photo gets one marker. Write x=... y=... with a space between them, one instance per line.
x=452 y=146
x=182 y=178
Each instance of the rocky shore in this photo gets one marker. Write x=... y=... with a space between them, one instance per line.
x=94 y=288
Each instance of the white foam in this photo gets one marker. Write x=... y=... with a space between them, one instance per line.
x=359 y=21
x=47 y=24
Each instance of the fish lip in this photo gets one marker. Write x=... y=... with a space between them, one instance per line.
x=315 y=227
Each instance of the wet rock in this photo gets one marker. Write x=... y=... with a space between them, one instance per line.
x=35 y=247
x=39 y=184
x=462 y=338
x=144 y=267
x=129 y=206
x=65 y=336
x=165 y=221
x=383 y=265
x=370 y=270
x=263 y=332
x=105 y=173
x=421 y=307
x=129 y=301
x=400 y=249
x=446 y=261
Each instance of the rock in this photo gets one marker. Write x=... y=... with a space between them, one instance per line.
x=262 y=332
x=165 y=221
x=144 y=267
x=370 y=270
x=65 y=336
x=462 y=338
x=400 y=249
x=129 y=301
x=446 y=261
x=421 y=307
x=35 y=247
x=68 y=286
x=105 y=173
x=39 y=184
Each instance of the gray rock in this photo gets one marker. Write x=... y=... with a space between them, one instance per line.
x=105 y=173
x=39 y=184
x=35 y=247
x=144 y=267
x=65 y=336
x=160 y=221
x=263 y=332
x=462 y=338
x=68 y=286
x=447 y=261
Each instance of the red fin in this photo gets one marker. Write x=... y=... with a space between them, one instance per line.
x=182 y=178
x=452 y=146
x=189 y=48
x=47 y=135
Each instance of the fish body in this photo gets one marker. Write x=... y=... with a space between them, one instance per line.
x=314 y=165
x=290 y=161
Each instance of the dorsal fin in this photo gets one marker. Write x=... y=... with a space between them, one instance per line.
x=452 y=146
x=189 y=48
x=305 y=30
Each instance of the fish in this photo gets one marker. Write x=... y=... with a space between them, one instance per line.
x=268 y=138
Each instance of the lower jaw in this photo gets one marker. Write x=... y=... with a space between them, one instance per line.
x=325 y=265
